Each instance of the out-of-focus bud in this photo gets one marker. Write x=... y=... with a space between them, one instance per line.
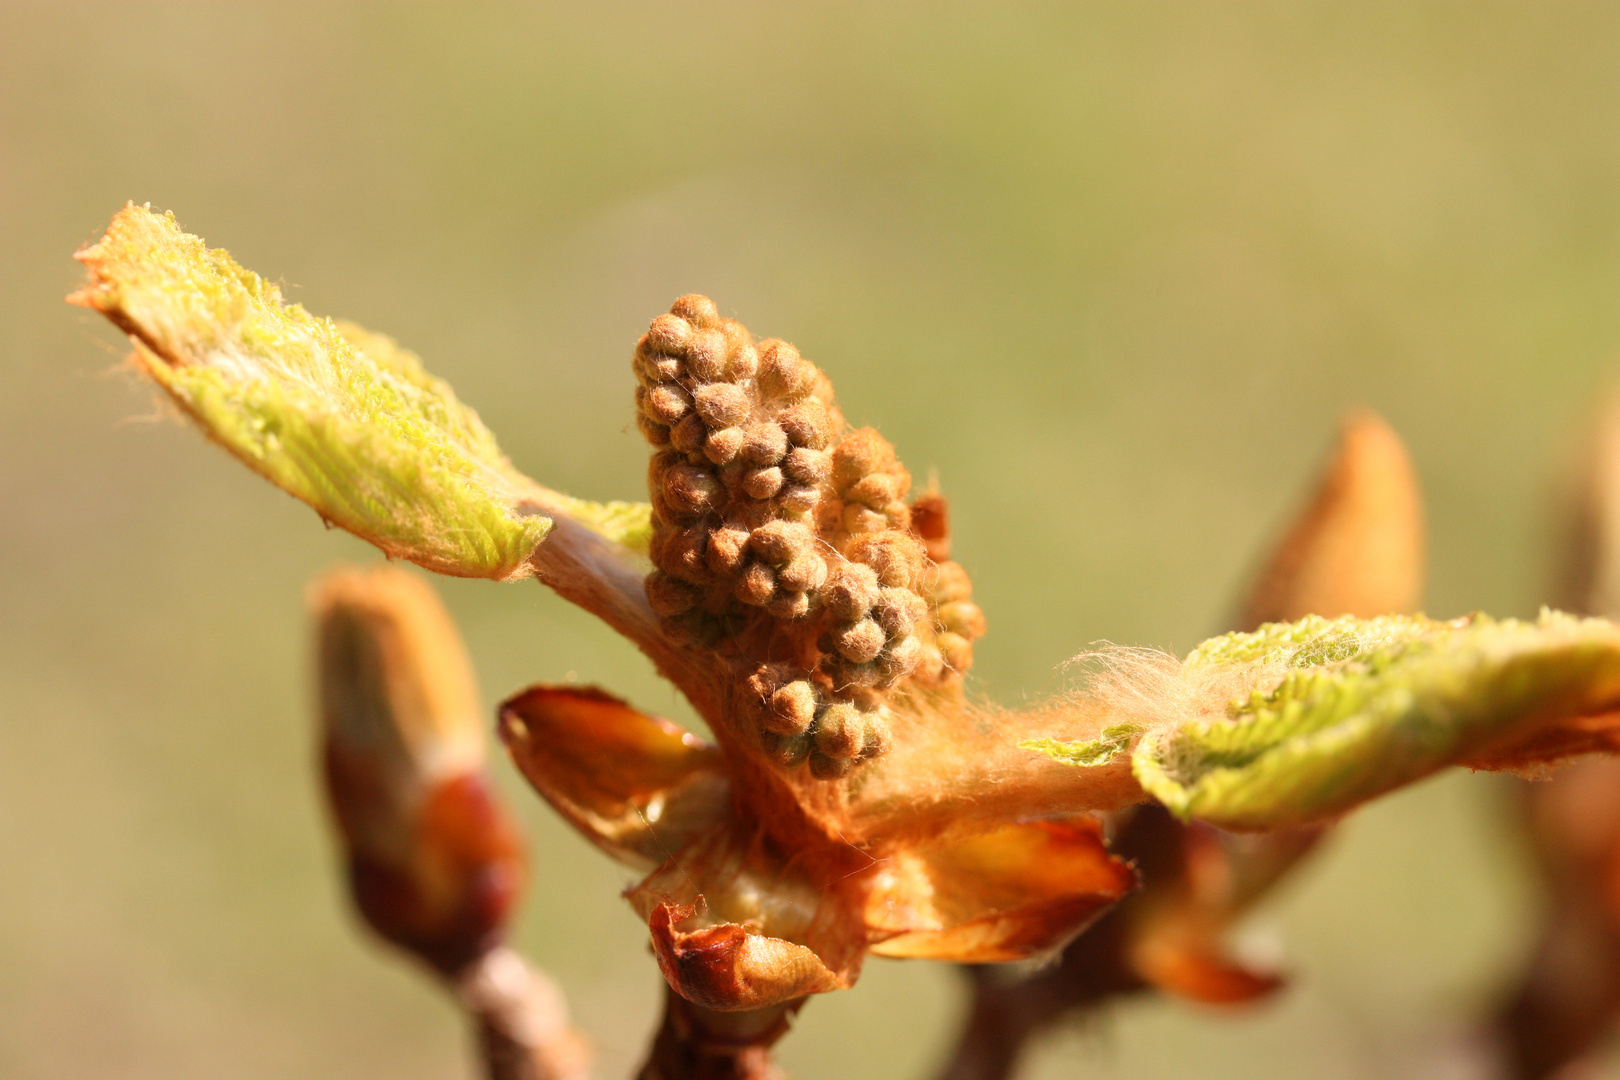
x=434 y=861
x=1357 y=549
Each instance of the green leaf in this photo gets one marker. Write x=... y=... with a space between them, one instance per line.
x=1347 y=709
x=1114 y=740
x=342 y=418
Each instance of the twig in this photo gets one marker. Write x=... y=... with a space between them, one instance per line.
x=694 y=1043
x=521 y=1020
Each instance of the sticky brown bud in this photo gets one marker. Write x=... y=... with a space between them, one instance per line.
x=956 y=651
x=689 y=435
x=781 y=542
x=808 y=466
x=860 y=454
x=783 y=373
x=789 y=605
x=697 y=310
x=840 y=731
x=898 y=611
x=896 y=556
x=667 y=403
x=807 y=424
x=757 y=585
x=930 y=520
x=721 y=446
x=727 y=548
x=766 y=445
x=721 y=404
x=692 y=490
x=787 y=751
x=434 y=860
x=860 y=642
x=792 y=708
x=652 y=431
x=851 y=590
x=823 y=767
x=899 y=659
x=669 y=596
x=706 y=356
x=962 y=617
x=798 y=498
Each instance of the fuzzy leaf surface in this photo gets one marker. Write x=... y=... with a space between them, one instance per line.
x=1347 y=709
x=344 y=419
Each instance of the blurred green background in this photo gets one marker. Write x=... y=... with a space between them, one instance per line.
x=1113 y=270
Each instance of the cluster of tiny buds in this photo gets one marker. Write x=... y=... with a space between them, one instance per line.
x=766 y=507
x=742 y=438
x=954 y=621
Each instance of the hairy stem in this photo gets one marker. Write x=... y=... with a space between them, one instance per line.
x=521 y=1020
x=608 y=580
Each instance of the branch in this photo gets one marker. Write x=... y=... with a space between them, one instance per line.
x=694 y=1043
x=522 y=1020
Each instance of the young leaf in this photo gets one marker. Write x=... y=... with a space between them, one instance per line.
x=1365 y=706
x=1112 y=741
x=344 y=419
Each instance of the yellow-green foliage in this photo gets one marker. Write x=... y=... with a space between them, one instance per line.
x=1347 y=709
x=342 y=418
x=1112 y=741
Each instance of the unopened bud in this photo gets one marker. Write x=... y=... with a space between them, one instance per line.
x=435 y=862
x=669 y=334
x=697 y=310
x=792 y=708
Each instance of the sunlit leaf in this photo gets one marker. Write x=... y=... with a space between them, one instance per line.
x=344 y=419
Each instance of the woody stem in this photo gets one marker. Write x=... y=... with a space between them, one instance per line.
x=694 y=1043
x=521 y=1020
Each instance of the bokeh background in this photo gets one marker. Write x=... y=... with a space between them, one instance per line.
x=1112 y=270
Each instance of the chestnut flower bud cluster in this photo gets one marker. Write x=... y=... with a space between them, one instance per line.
x=784 y=540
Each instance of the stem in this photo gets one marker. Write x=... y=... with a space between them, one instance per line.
x=522 y=1020
x=981 y=779
x=694 y=1043
x=1008 y=1010
x=607 y=579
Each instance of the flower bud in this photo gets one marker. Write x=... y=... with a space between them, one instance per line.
x=434 y=861
x=669 y=334
x=791 y=708
x=840 y=732
x=696 y=310
x=783 y=373
x=851 y=590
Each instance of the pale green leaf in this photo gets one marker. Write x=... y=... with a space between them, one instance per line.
x=1112 y=741
x=1365 y=706
x=344 y=419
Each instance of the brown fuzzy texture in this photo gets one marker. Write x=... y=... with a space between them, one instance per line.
x=784 y=539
